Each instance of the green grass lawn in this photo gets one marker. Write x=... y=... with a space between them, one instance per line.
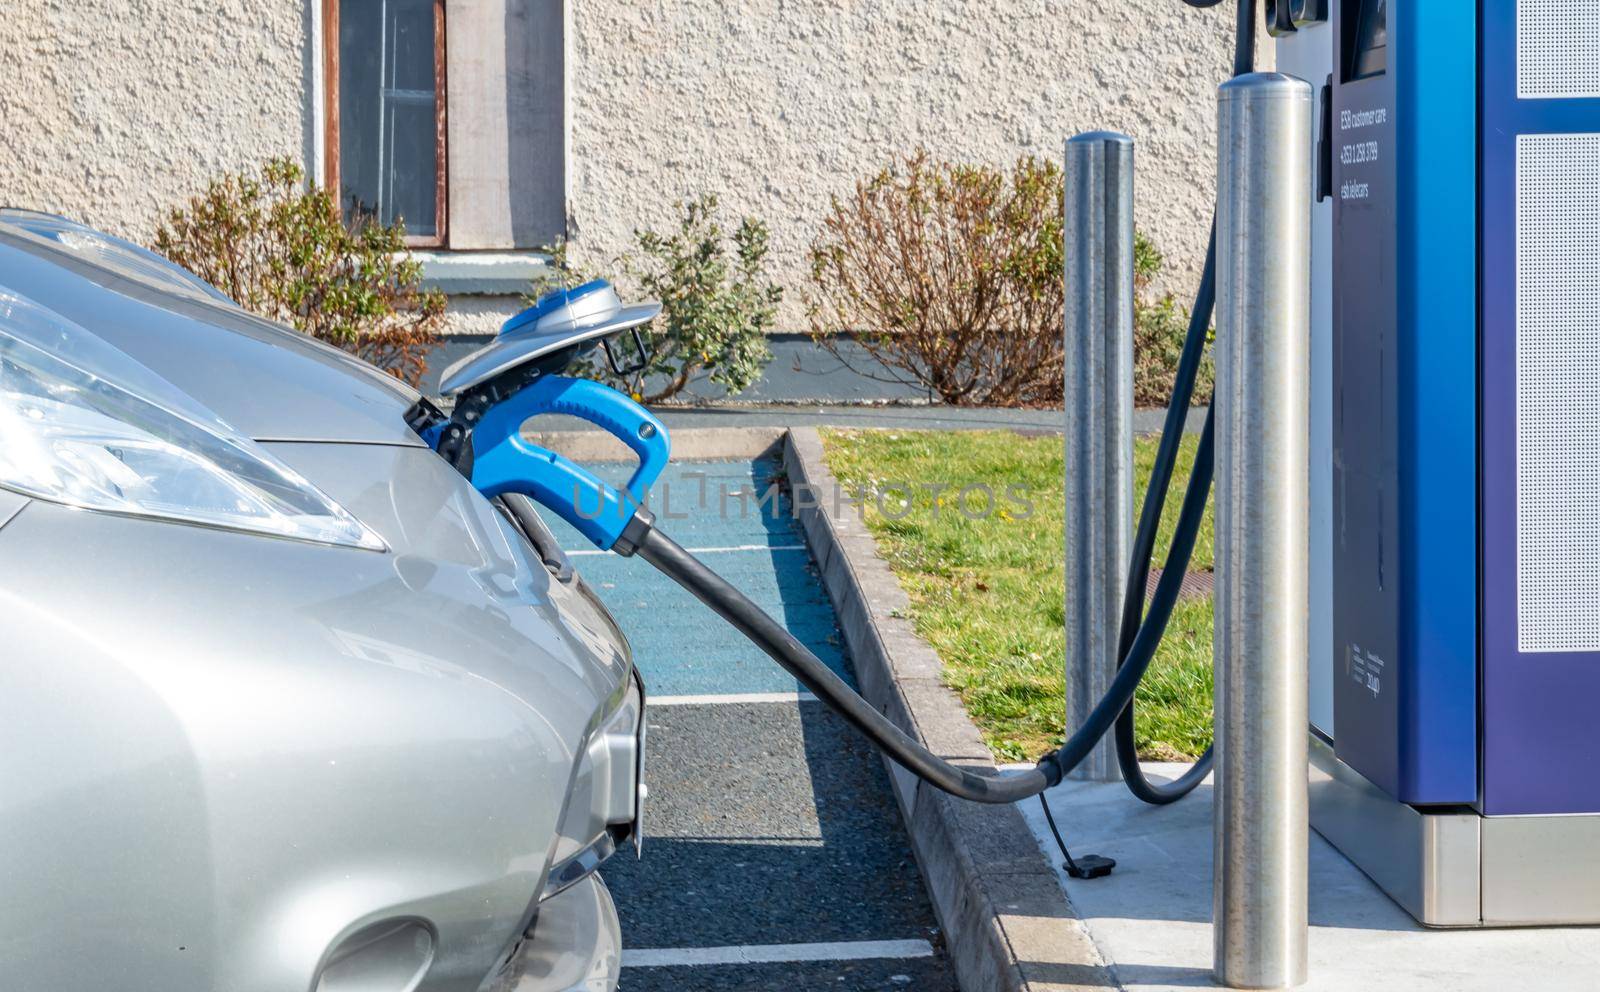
x=987 y=593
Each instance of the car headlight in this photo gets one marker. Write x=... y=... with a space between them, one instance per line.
x=83 y=424
x=606 y=806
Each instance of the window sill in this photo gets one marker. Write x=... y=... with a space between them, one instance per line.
x=481 y=273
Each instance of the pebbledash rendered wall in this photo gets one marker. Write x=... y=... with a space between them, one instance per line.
x=776 y=105
x=115 y=110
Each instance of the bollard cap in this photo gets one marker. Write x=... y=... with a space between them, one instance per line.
x=1100 y=138
x=1264 y=86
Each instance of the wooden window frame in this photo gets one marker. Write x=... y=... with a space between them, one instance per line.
x=330 y=139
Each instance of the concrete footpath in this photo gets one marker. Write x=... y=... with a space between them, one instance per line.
x=1151 y=918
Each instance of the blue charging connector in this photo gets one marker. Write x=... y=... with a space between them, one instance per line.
x=506 y=462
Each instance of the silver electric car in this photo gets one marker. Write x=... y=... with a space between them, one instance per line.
x=285 y=703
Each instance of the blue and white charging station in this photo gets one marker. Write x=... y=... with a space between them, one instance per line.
x=1455 y=668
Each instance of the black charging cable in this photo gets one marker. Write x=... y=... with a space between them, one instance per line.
x=1160 y=478
x=641 y=538
x=1155 y=497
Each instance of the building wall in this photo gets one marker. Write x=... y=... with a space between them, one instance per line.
x=118 y=109
x=115 y=110
x=777 y=105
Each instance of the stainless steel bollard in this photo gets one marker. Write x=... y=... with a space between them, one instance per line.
x=1264 y=178
x=1098 y=236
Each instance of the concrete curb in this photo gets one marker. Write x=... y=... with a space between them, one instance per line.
x=1008 y=926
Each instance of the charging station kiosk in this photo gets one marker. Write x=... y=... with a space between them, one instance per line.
x=1455 y=540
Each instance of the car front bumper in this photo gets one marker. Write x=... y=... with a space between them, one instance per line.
x=573 y=945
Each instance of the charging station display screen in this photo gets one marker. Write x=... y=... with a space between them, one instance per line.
x=1366 y=39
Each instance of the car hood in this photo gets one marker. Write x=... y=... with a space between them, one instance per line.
x=266 y=745
x=267 y=381
x=454 y=569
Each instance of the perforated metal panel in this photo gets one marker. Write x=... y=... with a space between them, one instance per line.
x=1558 y=49
x=1558 y=392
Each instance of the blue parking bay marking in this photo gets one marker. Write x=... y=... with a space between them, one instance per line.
x=680 y=646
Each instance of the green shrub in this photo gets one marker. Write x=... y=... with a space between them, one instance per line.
x=950 y=277
x=1159 y=327
x=280 y=248
x=717 y=303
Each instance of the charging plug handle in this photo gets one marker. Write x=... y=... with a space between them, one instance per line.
x=503 y=461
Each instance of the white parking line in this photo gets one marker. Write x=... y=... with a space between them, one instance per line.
x=853 y=950
x=581 y=552
x=731 y=697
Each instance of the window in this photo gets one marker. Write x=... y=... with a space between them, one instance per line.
x=384 y=67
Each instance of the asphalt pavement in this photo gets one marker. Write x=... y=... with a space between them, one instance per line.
x=774 y=857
